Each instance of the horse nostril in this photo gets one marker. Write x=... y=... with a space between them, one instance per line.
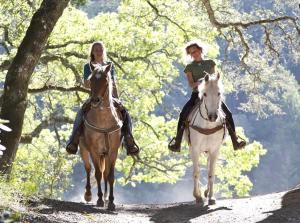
x=212 y=117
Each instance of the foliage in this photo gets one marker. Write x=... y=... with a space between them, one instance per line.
x=232 y=171
x=144 y=39
x=42 y=167
x=10 y=196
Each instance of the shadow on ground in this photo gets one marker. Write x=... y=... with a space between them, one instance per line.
x=289 y=211
x=178 y=213
x=51 y=206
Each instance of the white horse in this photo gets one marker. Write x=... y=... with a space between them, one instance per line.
x=205 y=132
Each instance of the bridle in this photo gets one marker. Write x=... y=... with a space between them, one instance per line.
x=199 y=108
x=97 y=101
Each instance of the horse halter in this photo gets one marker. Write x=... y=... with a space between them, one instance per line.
x=203 y=101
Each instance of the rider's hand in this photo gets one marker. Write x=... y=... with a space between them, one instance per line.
x=87 y=84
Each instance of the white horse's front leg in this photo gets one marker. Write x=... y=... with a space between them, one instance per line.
x=211 y=164
x=196 y=173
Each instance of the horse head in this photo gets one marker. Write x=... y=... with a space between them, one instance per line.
x=100 y=85
x=211 y=93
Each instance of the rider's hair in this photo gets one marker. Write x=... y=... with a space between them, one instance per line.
x=91 y=56
x=192 y=44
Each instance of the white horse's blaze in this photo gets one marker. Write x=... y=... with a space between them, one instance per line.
x=207 y=116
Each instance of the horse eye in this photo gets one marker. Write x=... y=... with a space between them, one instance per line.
x=204 y=94
x=219 y=93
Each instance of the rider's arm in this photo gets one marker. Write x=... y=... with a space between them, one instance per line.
x=86 y=74
x=193 y=84
x=115 y=90
x=114 y=85
x=213 y=67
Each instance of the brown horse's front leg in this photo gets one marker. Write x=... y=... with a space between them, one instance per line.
x=98 y=176
x=87 y=166
x=88 y=193
x=111 y=179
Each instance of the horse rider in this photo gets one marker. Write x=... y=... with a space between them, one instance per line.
x=97 y=56
x=195 y=72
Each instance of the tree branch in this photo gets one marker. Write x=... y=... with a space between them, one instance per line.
x=57 y=88
x=170 y=20
x=27 y=138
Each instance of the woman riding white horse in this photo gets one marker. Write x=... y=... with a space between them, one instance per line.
x=195 y=72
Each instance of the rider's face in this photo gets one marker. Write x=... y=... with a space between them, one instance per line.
x=98 y=52
x=195 y=53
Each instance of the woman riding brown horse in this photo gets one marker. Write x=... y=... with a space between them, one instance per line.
x=98 y=57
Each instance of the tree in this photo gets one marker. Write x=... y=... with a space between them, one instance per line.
x=14 y=98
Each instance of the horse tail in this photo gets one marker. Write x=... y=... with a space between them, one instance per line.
x=102 y=164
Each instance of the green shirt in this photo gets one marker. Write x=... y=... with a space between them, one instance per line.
x=198 y=69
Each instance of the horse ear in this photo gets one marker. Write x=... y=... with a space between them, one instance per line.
x=107 y=68
x=206 y=78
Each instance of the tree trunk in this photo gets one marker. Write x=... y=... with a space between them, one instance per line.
x=17 y=79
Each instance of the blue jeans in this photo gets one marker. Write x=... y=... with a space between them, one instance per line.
x=76 y=125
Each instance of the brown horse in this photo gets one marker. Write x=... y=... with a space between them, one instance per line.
x=101 y=136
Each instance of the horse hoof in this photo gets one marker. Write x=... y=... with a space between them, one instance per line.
x=199 y=201
x=87 y=197
x=211 y=201
x=206 y=192
x=111 y=206
x=100 y=203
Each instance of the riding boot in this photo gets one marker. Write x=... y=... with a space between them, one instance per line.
x=175 y=143
x=237 y=142
x=126 y=130
x=72 y=143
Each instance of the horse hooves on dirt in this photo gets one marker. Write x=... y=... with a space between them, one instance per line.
x=199 y=201
x=100 y=203
x=211 y=201
x=206 y=192
x=111 y=206
x=87 y=197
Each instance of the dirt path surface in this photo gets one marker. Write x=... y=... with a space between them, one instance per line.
x=273 y=208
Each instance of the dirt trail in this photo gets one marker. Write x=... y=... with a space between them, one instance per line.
x=278 y=207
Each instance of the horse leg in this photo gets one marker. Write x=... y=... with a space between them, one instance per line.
x=98 y=176
x=111 y=179
x=196 y=175
x=85 y=157
x=105 y=190
x=212 y=158
x=105 y=176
